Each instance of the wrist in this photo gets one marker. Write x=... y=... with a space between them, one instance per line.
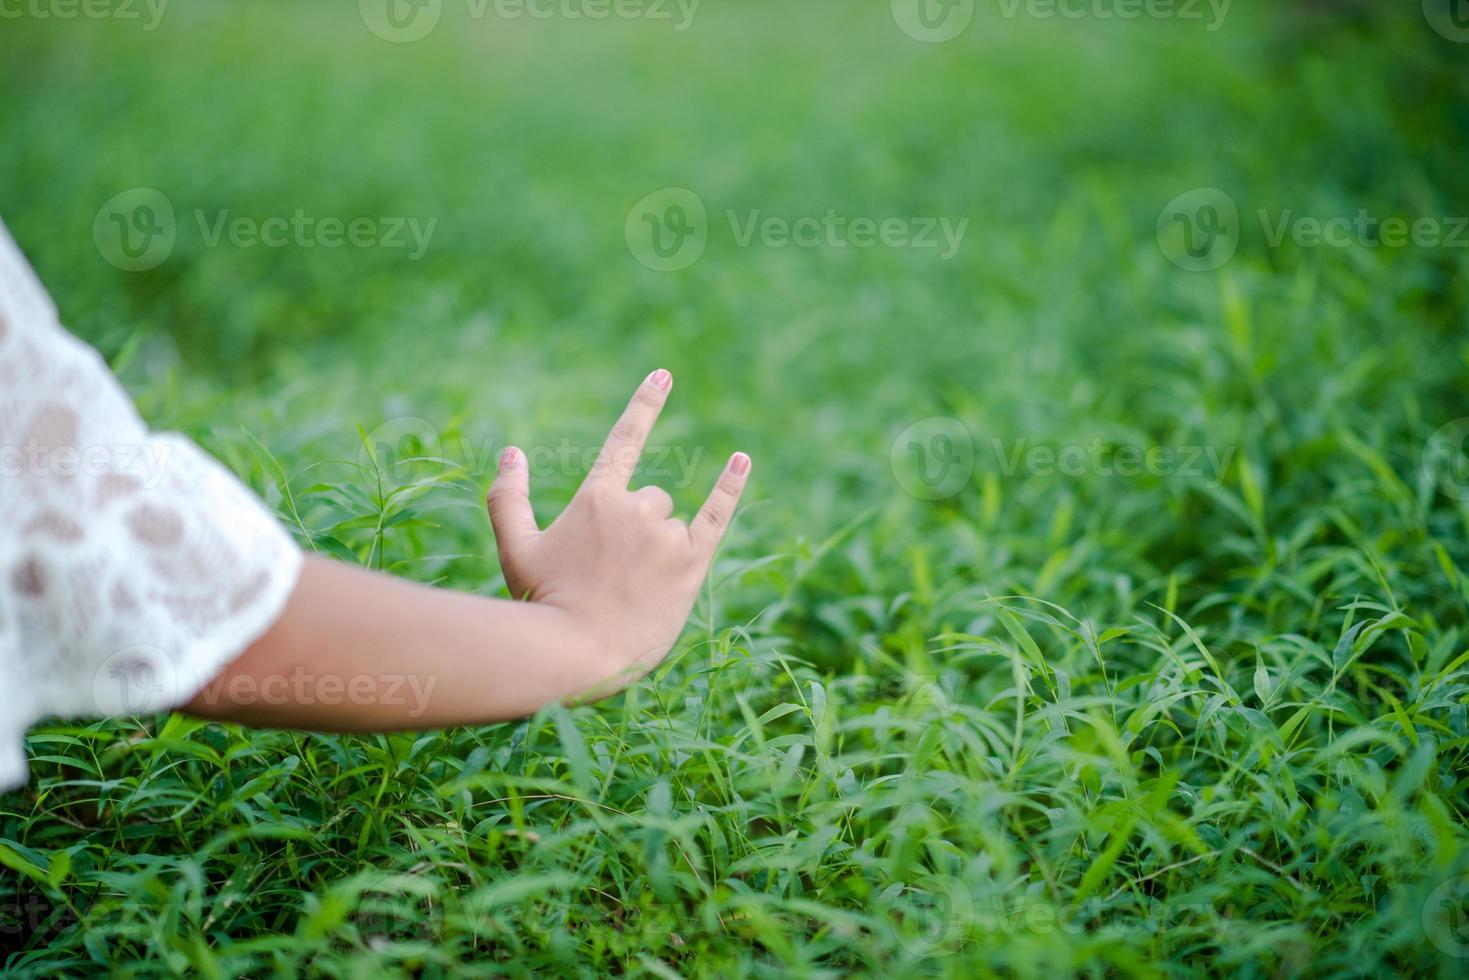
x=609 y=659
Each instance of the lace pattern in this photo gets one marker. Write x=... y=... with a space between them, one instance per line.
x=132 y=565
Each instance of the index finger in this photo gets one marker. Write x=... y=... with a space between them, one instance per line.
x=619 y=456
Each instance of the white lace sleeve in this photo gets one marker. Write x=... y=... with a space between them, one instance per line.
x=132 y=565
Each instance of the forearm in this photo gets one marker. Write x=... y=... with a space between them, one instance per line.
x=359 y=651
x=614 y=578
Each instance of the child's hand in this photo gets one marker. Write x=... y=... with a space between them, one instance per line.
x=616 y=562
x=612 y=582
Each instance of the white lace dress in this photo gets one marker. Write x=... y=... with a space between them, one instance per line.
x=132 y=565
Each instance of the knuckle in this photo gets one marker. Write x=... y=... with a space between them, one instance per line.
x=626 y=431
x=647 y=397
x=713 y=517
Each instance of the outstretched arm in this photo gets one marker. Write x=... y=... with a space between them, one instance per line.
x=607 y=589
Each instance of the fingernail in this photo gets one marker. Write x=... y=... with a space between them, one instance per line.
x=739 y=464
x=661 y=379
x=510 y=457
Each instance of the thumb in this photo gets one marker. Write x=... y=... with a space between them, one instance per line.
x=509 y=503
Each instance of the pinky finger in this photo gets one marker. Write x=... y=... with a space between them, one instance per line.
x=708 y=526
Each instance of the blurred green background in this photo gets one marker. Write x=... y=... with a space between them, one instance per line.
x=1310 y=377
x=525 y=142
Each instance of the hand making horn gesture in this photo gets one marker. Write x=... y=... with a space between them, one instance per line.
x=616 y=560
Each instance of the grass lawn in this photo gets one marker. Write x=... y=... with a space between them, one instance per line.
x=1098 y=604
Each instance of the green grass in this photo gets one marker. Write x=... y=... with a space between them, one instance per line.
x=1206 y=719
